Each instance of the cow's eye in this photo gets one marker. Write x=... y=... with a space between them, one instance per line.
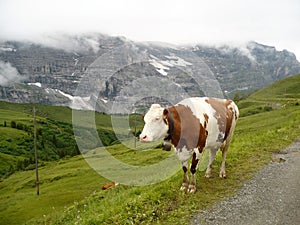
x=157 y=118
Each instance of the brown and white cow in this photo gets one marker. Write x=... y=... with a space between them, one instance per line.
x=193 y=125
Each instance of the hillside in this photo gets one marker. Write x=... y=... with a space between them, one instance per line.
x=71 y=191
x=280 y=94
x=285 y=89
x=55 y=136
x=95 y=71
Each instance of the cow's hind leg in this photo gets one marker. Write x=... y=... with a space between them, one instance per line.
x=224 y=149
x=185 y=183
x=212 y=156
x=192 y=186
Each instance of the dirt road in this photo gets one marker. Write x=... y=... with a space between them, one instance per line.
x=272 y=196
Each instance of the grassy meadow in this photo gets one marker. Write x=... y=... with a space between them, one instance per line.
x=70 y=190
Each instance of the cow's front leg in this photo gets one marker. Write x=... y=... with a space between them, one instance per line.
x=192 y=186
x=185 y=183
x=212 y=156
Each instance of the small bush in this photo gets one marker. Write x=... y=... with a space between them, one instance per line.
x=267 y=108
x=13 y=124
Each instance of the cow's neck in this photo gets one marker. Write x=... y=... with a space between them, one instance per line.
x=187 y=130
x=174 y=126
x=171 y=127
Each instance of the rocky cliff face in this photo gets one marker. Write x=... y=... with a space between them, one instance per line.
x=250 y=67
x=102 y=72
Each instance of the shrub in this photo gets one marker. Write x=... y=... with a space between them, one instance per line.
x=20 y=126
x=13 y=124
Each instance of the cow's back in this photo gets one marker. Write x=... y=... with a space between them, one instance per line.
x=218 y=116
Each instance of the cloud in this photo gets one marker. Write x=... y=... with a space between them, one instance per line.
x=271 y=22
x=70 y=42
x=9 y=74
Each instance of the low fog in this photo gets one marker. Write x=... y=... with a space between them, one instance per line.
x=9 y=74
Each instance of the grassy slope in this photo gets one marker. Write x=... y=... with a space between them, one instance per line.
x=19 y=142
x=71 y=191
x=52 y=120
x=62 y=184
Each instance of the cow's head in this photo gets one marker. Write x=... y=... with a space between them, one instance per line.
x=155 y=128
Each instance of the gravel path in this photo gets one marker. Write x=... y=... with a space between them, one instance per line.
x=272 y=196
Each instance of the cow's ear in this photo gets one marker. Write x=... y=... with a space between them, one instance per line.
x=165 y=113
x=165 y=116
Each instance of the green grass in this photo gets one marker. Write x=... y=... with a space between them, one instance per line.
x=62 y=184
x=285 y=89
x=256 y=138
x=280 y=94
x=71 y=191
x=55 y=113
x=54 y=139
x=55 y=136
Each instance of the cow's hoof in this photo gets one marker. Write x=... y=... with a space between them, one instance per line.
x=222 y=175
x=183 y=186
x=191 y=189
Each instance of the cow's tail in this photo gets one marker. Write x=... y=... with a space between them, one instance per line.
x=235 y=111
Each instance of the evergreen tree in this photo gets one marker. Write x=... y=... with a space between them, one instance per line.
x=13 y=124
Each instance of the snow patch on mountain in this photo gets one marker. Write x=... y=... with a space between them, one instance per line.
x=38 y=84
x=81 y=103
x=177 y=61
x=77 y=102
x=159 y=67
x=7 y=49
x=163 y=66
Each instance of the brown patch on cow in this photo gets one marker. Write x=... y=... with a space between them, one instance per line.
x=224 y=115
x=228 y=102
x=206 y=117
x=188 y=131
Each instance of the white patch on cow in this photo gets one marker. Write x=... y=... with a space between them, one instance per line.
x=185 y=154
x=199 y=107
x=155 y=128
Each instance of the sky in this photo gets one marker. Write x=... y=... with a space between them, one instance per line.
x=270 y=22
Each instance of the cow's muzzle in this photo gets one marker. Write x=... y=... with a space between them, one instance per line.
x=143 y=138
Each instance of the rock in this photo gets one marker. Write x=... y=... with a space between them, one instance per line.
x=279 y=160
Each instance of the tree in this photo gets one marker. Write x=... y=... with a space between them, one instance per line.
x=54 y=141
x=13 y=124
x=236 y=97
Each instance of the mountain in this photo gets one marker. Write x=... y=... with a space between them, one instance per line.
x=116 y=75
x=248 y=67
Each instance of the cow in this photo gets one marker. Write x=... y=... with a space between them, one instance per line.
x=191 y=126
